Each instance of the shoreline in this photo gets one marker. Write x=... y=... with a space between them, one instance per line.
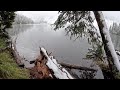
x=8 y=66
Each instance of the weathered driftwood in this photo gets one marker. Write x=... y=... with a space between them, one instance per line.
x=71 y=66
x=16 y=55
x=46 y=67
x=76 y=67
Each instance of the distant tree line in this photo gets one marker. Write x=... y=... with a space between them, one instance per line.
x=115 y=28
x=21 y=19
x=40 y=20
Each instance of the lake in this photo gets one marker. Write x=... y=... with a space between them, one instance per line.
x=31 y=37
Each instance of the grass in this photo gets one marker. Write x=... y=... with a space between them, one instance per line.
x=8 y=67
x=105 y=68
x=2 y=43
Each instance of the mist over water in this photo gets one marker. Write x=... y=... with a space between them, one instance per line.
x=31 y=37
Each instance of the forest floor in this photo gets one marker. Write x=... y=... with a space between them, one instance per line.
x=8 y=67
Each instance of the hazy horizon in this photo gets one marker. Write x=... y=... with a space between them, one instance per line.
x=51 y=16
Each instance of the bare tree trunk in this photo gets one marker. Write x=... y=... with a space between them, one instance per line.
x=108 y=45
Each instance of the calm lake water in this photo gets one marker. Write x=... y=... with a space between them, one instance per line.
x=31 y=37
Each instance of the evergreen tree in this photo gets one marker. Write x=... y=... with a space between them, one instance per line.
x=6 y=20
x=77 y=22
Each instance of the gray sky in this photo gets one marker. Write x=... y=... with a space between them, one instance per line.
x=50 y=16
x=112 y=15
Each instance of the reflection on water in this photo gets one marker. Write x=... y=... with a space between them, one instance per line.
x=31 y=37
x=18 y=29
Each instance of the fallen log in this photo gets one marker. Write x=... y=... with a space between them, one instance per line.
x=76 y=67
x=16 y=55
x=71 y=66
x=47 y=67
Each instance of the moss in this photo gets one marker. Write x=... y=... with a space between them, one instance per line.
x=8 y=67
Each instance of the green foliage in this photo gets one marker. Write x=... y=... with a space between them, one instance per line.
x=78 y=24
x=6 y=19
x=117 y=75
x=96 y=53
x=2 y=44
x=76 y=21
x=8 y=67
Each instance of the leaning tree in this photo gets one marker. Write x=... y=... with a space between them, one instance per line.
x=78 y=22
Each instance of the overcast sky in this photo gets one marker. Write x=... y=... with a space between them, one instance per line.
x=50 y=16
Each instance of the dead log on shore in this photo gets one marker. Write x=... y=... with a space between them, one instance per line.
x=16 y=55
x=46 y=67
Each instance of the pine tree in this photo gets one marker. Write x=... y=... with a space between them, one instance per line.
x=77 y=22
x=6 y=20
